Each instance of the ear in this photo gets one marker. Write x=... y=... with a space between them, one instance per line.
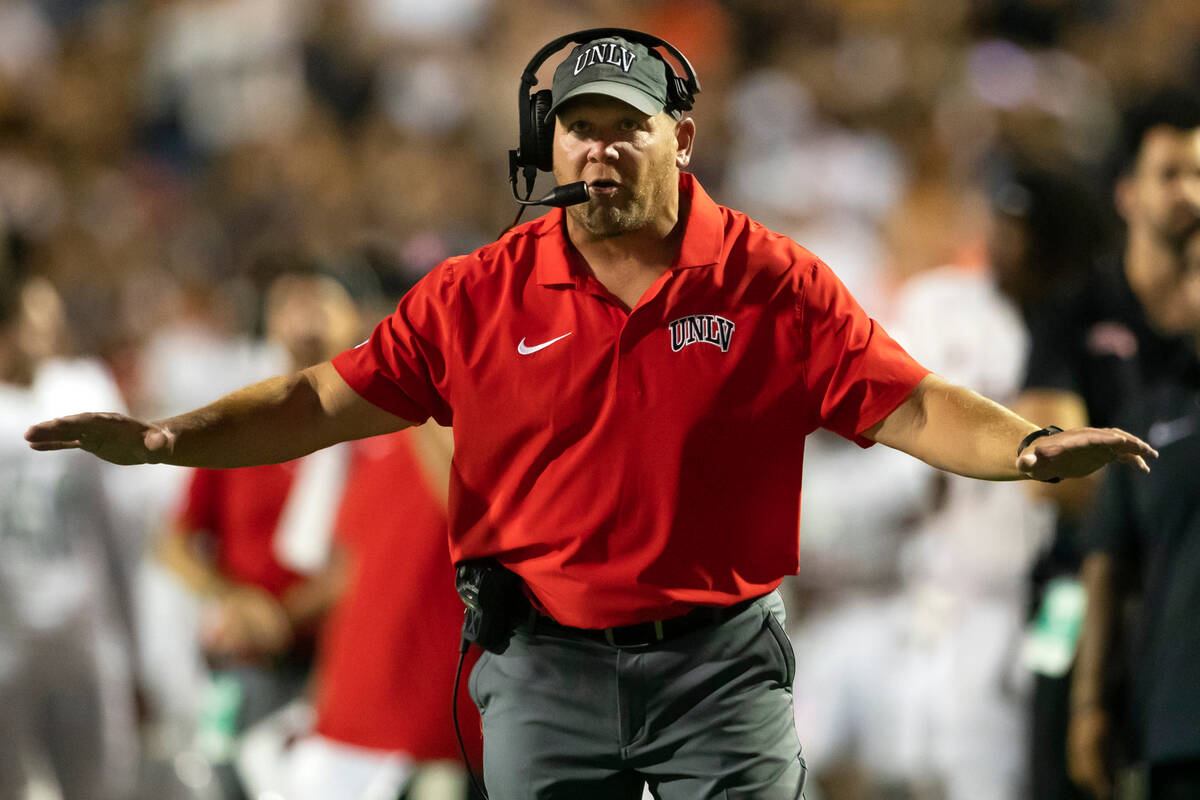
x=1123 y=195
x=685 y=136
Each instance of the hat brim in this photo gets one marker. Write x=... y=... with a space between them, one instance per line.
x=635 y=97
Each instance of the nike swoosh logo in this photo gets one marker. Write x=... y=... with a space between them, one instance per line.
x=1163 y=433
x=525 y=350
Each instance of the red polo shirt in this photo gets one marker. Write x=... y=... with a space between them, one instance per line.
x=389 y=648
x=630 y=465
x=240 y=509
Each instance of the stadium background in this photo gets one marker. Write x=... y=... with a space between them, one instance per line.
x=160 y=161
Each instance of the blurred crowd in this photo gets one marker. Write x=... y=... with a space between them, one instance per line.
x=164 y=164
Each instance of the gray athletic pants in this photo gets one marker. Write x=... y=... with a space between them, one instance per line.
x=705 y=716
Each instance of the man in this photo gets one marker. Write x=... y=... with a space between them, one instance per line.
x=630 y=383
x=966 y=558
x=387 y=661
x=252 y=542
x=1092 y=348
x=1144 y=538
x=66 y=612
x=385 y=665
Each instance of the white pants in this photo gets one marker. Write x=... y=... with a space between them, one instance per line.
x=915 y=696
x=282 y=756
x=66 y=709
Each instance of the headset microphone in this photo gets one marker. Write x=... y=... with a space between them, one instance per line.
x=569 y=194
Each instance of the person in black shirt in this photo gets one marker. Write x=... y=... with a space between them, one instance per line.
x=1092 y=350
x=1144 y=535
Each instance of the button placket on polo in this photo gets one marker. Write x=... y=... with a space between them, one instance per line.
x=629 y=377
x=640 y=323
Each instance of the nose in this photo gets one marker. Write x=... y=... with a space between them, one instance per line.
x=602 y=151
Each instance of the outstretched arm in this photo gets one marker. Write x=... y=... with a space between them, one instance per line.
x=955 y=429
x=265 y=423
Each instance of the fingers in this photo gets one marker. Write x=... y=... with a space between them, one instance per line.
x=1136 y=461
x=55 y=430
x=1116 y=438
x=1079 y=452
x=113 y=437
x=1128 y=443
x=47 y=446
x=72 y=429
x=1119 y=440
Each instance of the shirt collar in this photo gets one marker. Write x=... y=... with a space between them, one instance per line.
x=558 y=263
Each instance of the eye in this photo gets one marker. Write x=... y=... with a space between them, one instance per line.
x=578 y=126
x=628 y=125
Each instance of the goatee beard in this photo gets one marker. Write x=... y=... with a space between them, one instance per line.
x=1177 y=238
x=607 y=221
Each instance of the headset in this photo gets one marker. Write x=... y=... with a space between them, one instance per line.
x=535 y=145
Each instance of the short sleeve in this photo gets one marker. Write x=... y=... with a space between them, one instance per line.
x=855 y=374
x=402 y=367
x=198 y=511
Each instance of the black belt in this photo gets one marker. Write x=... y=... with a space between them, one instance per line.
x=642 y=634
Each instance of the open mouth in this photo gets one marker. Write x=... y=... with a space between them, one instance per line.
x=603 y=187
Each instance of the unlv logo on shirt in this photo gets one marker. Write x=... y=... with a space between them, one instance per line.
x=693 y=328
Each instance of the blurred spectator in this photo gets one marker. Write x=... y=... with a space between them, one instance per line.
x=386 y=664
x=858 y=508
x=151 y=153
x=1144 y=539
x=851 y=179
x=919 y=676
x=967 y=557
x=254 y=542
x=228 y=70
x=66 y=625
x=1094 y=345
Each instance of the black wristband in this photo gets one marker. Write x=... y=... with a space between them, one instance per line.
x=1031 y=438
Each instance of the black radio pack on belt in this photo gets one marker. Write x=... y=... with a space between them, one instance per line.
x=492 y=595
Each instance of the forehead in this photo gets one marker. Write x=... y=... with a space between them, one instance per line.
x=1165 y=145
x=293 y=294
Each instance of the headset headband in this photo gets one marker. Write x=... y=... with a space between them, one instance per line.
x=687 y=87
x=533 y=147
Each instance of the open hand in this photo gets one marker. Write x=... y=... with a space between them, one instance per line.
x=112 y=437
x=1082 y=451
x=247 y=623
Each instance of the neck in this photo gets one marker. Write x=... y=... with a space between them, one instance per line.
x=628 y=264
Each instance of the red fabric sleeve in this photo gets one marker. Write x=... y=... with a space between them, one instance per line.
x=198 y=511
x=402 y=367
x=854 y=371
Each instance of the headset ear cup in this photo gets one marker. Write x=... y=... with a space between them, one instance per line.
x=681 y=91
x=543 y=130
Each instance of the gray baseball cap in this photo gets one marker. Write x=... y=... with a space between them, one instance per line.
x=613 y=67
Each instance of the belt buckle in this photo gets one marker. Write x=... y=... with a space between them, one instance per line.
x=658 y=637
